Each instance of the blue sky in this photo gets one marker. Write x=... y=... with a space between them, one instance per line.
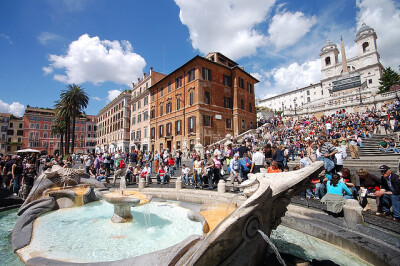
x=105 y=45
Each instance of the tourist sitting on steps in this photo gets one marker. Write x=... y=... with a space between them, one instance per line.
x=389 y=193
x=334 y=199
x=383 y=145
x=136 y=173
x=102 y=173
x=369 y=184
x=146 y=174
x=273 y=168
x=162 y=175
x=185 y=175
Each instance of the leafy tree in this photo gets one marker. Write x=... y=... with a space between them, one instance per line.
x=76 y=98
x=63 y=113
x=59 y=128
x=389 y=78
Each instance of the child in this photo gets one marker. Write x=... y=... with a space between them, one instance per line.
x=185 y=174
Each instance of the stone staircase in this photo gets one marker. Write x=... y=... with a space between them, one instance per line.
x=371 y=146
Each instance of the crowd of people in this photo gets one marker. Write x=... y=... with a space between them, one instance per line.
x=272 y=146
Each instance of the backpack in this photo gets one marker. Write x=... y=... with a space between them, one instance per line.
x=121 y=164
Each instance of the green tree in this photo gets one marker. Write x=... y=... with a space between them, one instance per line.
x=59 y=128
x=389 y=78
x=63 y=113
x=76 y=98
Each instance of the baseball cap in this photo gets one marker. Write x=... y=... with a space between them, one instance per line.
x=384 y=168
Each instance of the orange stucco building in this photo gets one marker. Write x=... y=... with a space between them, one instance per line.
x=204 y=99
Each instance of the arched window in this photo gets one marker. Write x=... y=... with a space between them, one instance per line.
x=365 y=47
x=327 y=61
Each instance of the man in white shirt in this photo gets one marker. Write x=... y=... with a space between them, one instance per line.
x=185 y=175
x=146 y=174
x=258 y=161
x=328 y=127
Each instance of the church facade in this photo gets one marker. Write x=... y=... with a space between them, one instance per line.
x=349 y=84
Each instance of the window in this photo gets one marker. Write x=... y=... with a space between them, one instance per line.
x=178 y=145
x=178 y=82
x=251 y=125
x=133 y=135
x=161 y=92
x=243 y=124
x=145 y=115
x=152 y=114
x=192 y=124
x=169 y=129
x=365 y=47
x=45 y=135
x=145 y=132
x=308 y=92
x=228 y=81
x=161 y=131
x=20 y=132
x=153 y=133
x=89 y=128
x=241 y=83
x=249 y=87
x=139 y=104
x=37 y=126
x=191 y=98
x=207 y=99
x=322 y=92
x=228 y=123
x=11 y=125
x=207 y=121
x=32 y=126
x=133 y=120
x=168 y=108
x=250 y=107
x=138 y=134
x=370 y=81
x=20 y=125
x=169 y=86
x=10 y=132
x=178 y=127
x=191 y=145
x=161 y=147
x=146 y=100
x=161 y=110
x=327 y=61
x=190 y=75
x=153 y=96
x=82 y=129
x=206 y=74
x=178 y=103
x=139 y=118
x=228 y=102
x=242 y=104
x=308 y=99
x=133 y=107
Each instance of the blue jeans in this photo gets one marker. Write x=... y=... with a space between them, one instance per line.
x=197 y=178
x=396 y=150
x=391 y=200
x=291 y=152
x=99 y=178
x=17 y=183
x=171 y=170
x=185 y=178
x=319 y=190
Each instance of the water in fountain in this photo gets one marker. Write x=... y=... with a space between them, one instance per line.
x=146 y=216
x=268 y=240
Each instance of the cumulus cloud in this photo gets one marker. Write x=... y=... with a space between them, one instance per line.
x=96 y=98
x=284 y=79
x=90 y=59
x=227 y=26
x=384 y=17
x=6 y=37
x=112 y=94
x=15 y=108
x=45 y=37
x=288 y=28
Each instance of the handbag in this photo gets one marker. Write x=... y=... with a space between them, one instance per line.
x=247 y=163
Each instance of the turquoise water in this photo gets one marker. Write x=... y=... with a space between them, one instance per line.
x=7 y=222
x=86 y=234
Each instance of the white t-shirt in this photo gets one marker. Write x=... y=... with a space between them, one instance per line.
x=186 y=171
x=328 y=126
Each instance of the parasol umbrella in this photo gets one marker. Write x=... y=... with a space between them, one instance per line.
x=28 y=151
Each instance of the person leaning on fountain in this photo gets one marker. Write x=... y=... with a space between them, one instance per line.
x=102 y=173
x=235 y=170
x=389 y=193
x=334 y=199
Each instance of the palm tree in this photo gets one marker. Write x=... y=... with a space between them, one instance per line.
x=63 y=113
x=59 y=128
x=77 y=99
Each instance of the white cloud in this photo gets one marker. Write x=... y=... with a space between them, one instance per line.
x=227 y=26
x=47 y=70
x=45 y=37
x=384 y=17
x=6 y=37
x=96 y=61
x=15 y=108
x=284 y=79
x=287 y=28
x=112 y=94
x=96 y=98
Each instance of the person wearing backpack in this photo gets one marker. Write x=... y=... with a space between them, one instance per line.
x=245 y=164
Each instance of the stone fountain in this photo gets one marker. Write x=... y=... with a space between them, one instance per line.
x=123 y=202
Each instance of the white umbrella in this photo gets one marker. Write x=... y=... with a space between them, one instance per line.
x=28 y=151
